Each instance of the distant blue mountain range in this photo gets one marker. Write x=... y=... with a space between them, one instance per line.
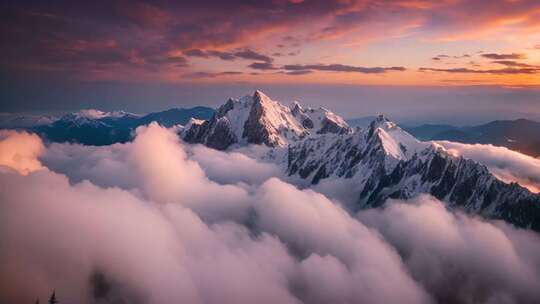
x=93 y=127
x=521 y=134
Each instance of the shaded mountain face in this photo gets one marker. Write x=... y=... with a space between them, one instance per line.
x=92 y=127
x=521 y=135
x=380 y=173
x=383 y=160
x=259 y=120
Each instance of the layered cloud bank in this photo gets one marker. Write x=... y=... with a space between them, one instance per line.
x=157 y=221
x=505 y=164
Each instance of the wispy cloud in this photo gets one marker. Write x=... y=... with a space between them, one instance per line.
x=262 y=66
x=504 y=56
x=211 y=74
x=243 y=54
x=341 y=68
x=505 y=71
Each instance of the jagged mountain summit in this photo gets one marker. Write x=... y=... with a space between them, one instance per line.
x=258 y=119
x=386 y=162
x=383 y=160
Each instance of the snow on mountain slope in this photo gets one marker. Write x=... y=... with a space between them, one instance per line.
x=93 y=114
x=395 y=141
x=386 y=162
x=397 y=144
x=380 y=162
x=257 y=119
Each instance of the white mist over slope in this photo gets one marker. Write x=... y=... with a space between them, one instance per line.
x=505 y=164
x=158 y=221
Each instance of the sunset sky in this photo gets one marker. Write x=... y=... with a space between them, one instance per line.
x=64 y=53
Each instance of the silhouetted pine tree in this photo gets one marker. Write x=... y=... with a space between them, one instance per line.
x=52 y=299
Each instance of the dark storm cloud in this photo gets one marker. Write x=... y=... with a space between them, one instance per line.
x=341 y=68
x=504 y=56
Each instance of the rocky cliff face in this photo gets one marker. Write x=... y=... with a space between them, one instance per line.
x=386 y=162
x=383 y=161
x=257 y=119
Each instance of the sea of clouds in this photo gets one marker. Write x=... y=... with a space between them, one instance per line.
x=159 y=221
x=505 y=164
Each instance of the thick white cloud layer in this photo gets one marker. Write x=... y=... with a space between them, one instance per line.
x=507 y=165
x=155 y=221
x=458 y=258
x=232 y=167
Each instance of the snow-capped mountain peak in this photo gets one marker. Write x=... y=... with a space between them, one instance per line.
x=313 y=144
x=91 y=114
x=98 y=114
x=95 y=117
x=395 y=141
x=271 y=123
x=385 y=162
x=296 y=108
x=257 y=119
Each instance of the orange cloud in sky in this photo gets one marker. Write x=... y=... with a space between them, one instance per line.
x=150 y=42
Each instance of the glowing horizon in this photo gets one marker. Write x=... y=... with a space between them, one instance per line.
x=418 y=43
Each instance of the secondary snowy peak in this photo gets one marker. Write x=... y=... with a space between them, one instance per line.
x=395 y=142
x=97 y=114
x=93 y=117
x=257 y=119
x=91 y=114
x=271 y=123
x=320 y=120
x=379 y=148
x=384 y=162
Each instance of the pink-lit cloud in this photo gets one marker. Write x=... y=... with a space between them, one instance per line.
x=137 y=38
x=173 y=232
